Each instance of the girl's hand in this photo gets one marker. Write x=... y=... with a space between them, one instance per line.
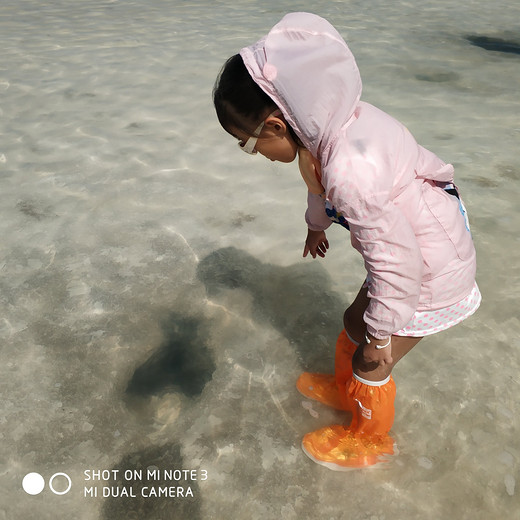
x=316 y=244
x=372 y=355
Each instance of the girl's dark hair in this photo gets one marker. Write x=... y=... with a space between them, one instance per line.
x=239 y=102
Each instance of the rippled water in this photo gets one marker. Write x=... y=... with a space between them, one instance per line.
x=156 y=310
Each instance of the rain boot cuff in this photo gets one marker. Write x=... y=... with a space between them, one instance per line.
x=372 y=383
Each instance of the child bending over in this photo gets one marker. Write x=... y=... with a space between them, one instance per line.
x=296 y=92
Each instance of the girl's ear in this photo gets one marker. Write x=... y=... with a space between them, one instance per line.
x=277 y=124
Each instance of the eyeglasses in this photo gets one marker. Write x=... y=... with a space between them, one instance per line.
x=249 y=145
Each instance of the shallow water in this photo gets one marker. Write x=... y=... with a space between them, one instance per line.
x=156 y=310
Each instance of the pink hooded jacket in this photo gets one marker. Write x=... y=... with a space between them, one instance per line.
x=413 y=236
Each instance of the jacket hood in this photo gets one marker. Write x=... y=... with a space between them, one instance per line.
x=306 y=68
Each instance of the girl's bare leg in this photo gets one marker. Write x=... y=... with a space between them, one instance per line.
x=355 y=327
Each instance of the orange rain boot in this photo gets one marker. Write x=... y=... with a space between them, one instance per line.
x=366 y=441
x=331 y=389
x=345 y=349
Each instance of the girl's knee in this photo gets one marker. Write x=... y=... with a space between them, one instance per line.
x=354 y=324
x=353 y=316
x=347 y=317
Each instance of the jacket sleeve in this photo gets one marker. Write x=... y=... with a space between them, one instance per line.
x=392 y=257
x=315 y=216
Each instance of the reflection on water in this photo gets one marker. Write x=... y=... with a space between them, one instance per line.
x=495 y=44
x=298 y=300
x=183 y=363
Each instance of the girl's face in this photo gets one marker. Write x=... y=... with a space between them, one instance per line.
x=275 y=141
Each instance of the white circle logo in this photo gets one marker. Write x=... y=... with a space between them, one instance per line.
x=60 y=475
x=33 y=483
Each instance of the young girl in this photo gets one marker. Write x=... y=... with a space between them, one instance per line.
x=297 y=92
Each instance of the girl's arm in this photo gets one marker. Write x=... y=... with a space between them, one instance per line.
x=317 y=220
x=393 y=260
